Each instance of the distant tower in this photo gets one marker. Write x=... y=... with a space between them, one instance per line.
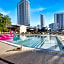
x=23 y=13
x=42 y=21
x=59 y=20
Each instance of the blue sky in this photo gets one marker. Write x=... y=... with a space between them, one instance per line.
x=37 y=7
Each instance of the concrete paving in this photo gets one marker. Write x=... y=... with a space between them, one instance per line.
x=27 y=56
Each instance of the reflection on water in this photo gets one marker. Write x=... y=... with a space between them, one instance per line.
x=44 y=42
x=16 y=37
x=19 y=37
x=23 y=37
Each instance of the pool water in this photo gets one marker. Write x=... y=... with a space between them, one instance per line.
x=40 y=42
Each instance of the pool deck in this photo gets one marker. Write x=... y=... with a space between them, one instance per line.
x=61 y=38
x=27 y=56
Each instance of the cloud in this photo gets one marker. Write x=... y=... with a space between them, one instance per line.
x=4 y=12
x=37 y=9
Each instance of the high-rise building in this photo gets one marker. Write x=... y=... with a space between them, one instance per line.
x=23 y=13
x=52 y=27
x=38 y=26
x=59 y=20
x=42 y=21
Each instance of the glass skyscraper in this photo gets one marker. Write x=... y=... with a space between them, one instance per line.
x=42 y=21
x=59 y=20
x=23 y=13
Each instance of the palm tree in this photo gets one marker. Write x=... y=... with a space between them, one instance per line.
x=1 y=25
x=7 y=20
x=1 y=15
x=4 y=21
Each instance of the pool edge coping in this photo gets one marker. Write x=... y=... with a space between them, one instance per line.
x=11 y=44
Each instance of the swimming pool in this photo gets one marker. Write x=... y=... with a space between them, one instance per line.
x=38 y=42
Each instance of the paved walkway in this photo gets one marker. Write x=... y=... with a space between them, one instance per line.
x=27 y=56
